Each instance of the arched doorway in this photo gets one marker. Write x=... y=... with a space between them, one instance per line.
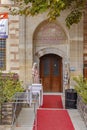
x=51 y=72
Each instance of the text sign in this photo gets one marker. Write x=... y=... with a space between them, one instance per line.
x=4 y=25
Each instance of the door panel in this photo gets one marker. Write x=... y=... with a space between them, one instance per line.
x=51 y=73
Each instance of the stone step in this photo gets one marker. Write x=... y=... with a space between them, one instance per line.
x=23 y=128
x=25 y=119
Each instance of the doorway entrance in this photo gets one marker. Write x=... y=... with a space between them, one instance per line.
x=51 y=73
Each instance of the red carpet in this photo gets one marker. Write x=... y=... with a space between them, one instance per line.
x=53 y=119
x=52 y=101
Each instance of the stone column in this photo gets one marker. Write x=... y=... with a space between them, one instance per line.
x=26 y=49
x=29 y=49
x=22 y=47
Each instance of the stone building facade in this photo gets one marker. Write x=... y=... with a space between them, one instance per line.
x=85 y=42
x=31 y=38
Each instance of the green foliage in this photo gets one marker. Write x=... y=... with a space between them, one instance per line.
x=38 y=7
x=81 y=87
x=1 y=89
x=73 y=17
x=8 y=87
x=53 y=7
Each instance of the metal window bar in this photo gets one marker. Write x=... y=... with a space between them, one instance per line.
x=3 y=54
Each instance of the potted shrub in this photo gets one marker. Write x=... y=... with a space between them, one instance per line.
x=81 y=88
x=9 y=86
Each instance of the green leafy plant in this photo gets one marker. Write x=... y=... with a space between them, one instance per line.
x=9 y=86
x=1 y=89
x=81 y=87
x=52 y=7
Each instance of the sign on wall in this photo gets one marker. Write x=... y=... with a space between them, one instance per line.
x=4 y=25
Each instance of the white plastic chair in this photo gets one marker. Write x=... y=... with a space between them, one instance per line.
x=37 y=89
x=29 y=96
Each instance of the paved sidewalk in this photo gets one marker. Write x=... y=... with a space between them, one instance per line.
x=27 y=116
x=26 y=121
x=76 y=119
x=74 y=115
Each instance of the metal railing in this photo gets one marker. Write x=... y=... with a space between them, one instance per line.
x=24 y=98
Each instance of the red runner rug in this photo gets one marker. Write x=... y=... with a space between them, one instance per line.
x=53 y=119
x=52 y=101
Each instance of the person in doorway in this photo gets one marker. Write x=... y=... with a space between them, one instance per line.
x=35 y=73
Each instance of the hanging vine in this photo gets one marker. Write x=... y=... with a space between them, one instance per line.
x=53 y=7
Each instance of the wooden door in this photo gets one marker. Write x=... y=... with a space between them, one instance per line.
x=51 y=73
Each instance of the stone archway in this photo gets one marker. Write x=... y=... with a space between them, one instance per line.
x=50 y=38
x=65 y=61
x=52 y=50
x=49 y=35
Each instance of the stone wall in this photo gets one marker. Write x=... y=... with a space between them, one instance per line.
x=12 y=42
x=82 y=108
x=30 y=37
x=7 y=112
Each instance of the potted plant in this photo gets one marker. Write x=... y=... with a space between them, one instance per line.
x=9 y=86
x=81 y=88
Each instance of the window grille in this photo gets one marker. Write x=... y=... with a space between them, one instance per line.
x=2 y=54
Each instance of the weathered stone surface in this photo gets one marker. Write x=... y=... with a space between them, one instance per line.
x=82 y=107
x=7 y=112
